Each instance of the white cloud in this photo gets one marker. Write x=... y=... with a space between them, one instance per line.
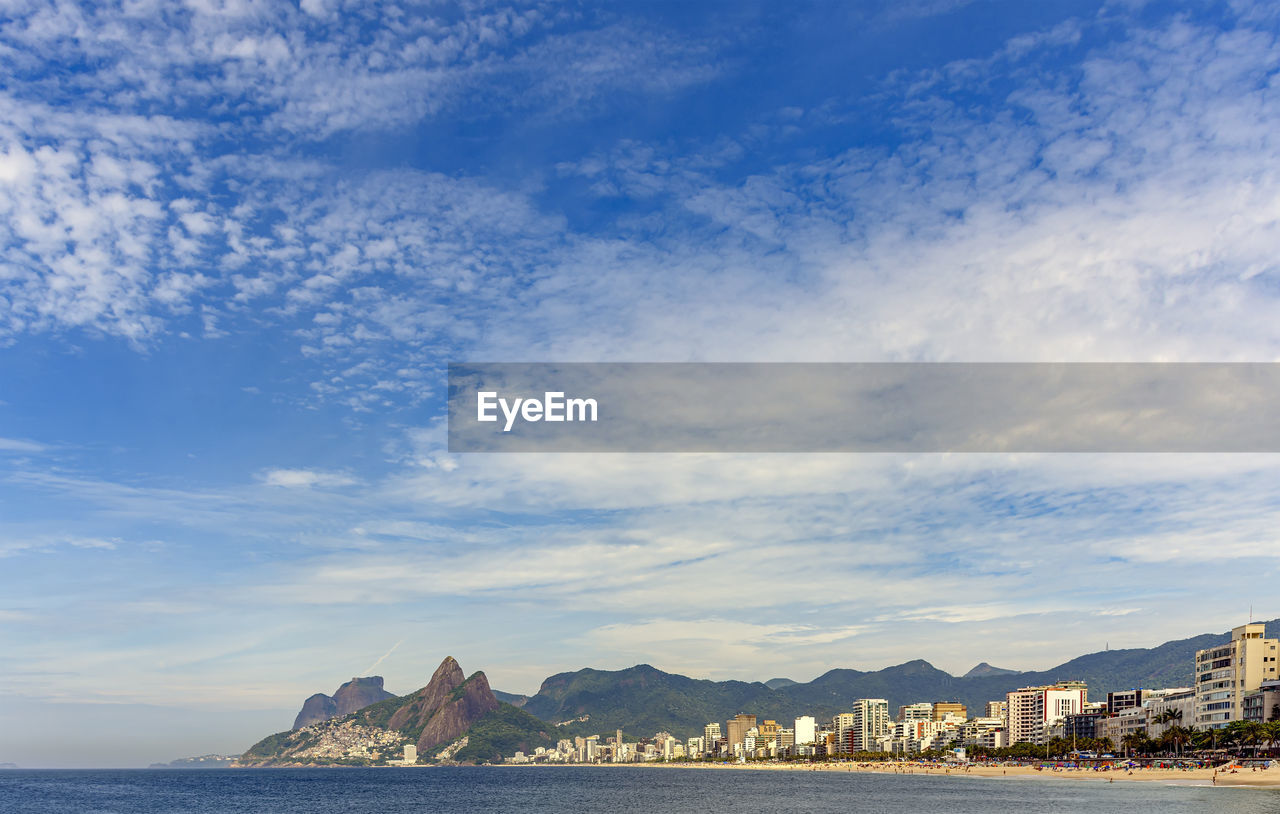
x=19 y=445
x=305 y=479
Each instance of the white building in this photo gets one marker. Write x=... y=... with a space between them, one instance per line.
x=806 y=730
x=870 y=723
x=916 y=712
x=1033 y=711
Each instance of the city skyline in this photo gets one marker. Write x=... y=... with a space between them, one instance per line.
x=243 y=240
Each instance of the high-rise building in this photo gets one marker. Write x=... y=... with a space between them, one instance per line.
x=916 y=712
x=942 y=710
x=841 y=725
x=712 y=733
x=1121 y=700
x=738 y=729
x=768 y=733
x=870 y=722
x=998 y=709
x=806 y=730
x=1225 y=674
x=1033 y=710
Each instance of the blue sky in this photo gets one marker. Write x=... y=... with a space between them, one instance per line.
x=242 y=240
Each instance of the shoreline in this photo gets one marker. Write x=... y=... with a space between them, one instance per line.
x=1200 y=778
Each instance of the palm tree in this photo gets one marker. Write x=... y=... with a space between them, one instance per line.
x=1232 y=734
x=1135 y=741
x=1254 y=733
x=1177 y=737
x=1270 y=732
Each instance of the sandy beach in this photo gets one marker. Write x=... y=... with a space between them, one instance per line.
x=1238 y=777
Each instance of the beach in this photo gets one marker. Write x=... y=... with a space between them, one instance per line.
x=1237 y=777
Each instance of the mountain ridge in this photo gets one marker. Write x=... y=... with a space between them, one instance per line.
x=644 y=699
x=451 y=707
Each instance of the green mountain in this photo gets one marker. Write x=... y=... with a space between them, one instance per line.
x=453 y=712
x=643 y=699
x=984 y=669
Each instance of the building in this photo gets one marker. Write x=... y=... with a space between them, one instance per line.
x=986 y=731
x=998 y=709
x=870 y=723
x=738 y=729
x=806 y=730
x=1263 y=704
x=942 y=710
x=1180 y=701
x=916 y=712
x=711 y=736
x=1227 y=673
x=768 y=733
x=1117 y=702
x=1033 y=711
x=842 y=725
x=1082 y=725
x=785 y=743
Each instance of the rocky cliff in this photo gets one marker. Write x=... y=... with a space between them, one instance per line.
x=356 y=694
x=438 y=714
x=441 y=711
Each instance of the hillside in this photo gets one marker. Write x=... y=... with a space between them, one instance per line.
x=643 y=699
x=442 y=712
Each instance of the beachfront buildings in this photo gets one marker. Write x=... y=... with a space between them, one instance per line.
x=806 y=730
x=1263 y=704
x=1034 y=711
x=738 y=729
x=870 y=723
x=1226 y=674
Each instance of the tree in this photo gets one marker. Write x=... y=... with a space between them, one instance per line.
x=1174 y=738
x=1271 y=731
x=1136 y=742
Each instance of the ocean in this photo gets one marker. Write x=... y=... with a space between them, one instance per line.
x=585 y=789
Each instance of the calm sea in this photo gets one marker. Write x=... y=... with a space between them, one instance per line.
x=567 y=789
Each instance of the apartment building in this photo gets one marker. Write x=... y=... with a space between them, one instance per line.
x=1034 y=710
x=870 y=723
x=1227 y=673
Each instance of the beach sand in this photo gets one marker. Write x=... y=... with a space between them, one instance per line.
x=1191 y=777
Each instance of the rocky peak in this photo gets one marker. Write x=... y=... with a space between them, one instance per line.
x=356 y=694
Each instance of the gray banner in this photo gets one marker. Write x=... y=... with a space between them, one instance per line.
x=889 y=407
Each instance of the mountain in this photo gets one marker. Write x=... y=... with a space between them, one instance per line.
x=642 y=699
x=439 y=712
x=984 y=669
x=511 y=698
x=451 y=710
x=462 y=719
x=357 y=693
